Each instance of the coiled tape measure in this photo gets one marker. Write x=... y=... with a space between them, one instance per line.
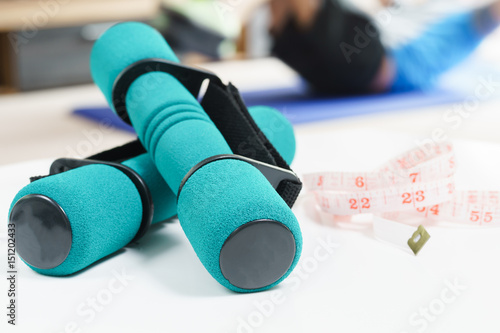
x=417 y=186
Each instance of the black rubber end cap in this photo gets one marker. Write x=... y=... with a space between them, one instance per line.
x=43 y=232
x=257 y=254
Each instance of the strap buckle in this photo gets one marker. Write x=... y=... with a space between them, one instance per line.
x=225 y=107
x=191 y=78
x=276 y=176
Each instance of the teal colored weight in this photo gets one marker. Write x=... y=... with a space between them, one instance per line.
x=72 y=219
x=226 y=207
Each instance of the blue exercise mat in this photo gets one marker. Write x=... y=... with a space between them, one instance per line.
x=300 y=110
x=300 y=107
x=103 y=115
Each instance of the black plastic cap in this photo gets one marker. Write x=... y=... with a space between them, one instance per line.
x=43 y=232
x=257 y=254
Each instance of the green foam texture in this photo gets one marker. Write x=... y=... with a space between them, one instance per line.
x=177 y=133
x=103 y=212
x=165 y=201
x=121 y=46
x=277 y=128
x=172 y=126
x=231 y=193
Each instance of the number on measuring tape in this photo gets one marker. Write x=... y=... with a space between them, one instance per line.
x=418 y=183
x=409 y=198
x=320 y=181
x=354 y=204
x=360 y=182
x=413 y=177
x=365 y=203
x=481 y=216
x=430 y=210
x=474 y=216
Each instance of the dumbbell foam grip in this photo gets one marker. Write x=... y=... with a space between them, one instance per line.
x=87 y=224
x=178 y=135
x=173 y=127
x=100 y=224
x=147 y=43
x=275 y=126
x=161 y=110
x=240 y=199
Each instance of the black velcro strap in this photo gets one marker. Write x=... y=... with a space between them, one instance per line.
x=225 y=107
x=289 y=191
x=121 y=153
x=114 y=155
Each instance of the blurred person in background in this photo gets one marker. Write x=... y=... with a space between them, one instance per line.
x=339 y=50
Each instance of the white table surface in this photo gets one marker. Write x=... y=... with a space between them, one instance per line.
x=363 y=285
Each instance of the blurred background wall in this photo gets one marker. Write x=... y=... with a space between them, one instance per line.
x=46 y=43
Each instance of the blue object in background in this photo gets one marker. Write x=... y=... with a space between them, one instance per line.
x=103 y=114
x=302 y=111
x=445 y=44
x=300 y=107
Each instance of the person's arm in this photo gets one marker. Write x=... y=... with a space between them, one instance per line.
x=419 y=63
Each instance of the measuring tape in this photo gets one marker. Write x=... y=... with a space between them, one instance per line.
x=417 y=186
